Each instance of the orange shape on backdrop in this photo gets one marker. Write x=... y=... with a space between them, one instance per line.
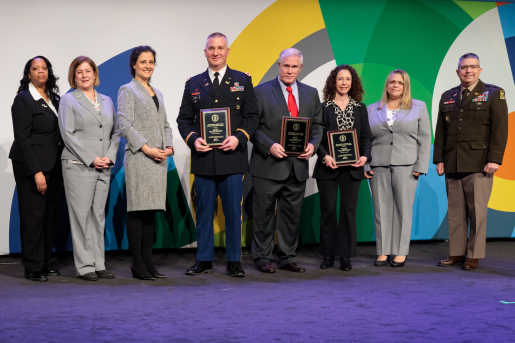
x=500 y=3
x=507 y=169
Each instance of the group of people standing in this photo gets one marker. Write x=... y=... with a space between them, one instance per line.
x=77 y=137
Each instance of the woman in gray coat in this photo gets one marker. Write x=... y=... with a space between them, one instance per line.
x=144 y=124
x=401 y=142
x=89 y=128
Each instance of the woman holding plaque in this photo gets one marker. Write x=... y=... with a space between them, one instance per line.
x=401 y=141
x=342 y=110
x=144 y=124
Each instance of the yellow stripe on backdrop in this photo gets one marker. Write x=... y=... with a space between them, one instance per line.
x=258 y=46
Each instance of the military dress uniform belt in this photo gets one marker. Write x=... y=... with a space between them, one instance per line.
x=467 y=138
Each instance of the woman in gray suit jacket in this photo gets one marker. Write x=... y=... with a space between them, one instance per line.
x=149 y=137
x=401 y=142
x=89 y=127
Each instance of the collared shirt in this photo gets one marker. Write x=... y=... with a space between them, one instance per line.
x=35 y=94
x=471 y=88
x=294 y=90
x=220 y=77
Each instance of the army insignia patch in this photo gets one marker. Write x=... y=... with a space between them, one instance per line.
x=237 y=87
x=447 y=118
x=248 y=74
x=189 y=78
x=501 y=94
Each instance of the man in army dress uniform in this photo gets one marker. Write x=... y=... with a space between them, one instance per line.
x=470 y=139
x=218 y=171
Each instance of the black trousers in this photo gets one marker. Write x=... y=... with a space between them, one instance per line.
x=39 y=215
x=338 y=239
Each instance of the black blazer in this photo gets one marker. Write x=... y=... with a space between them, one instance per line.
x=200 y=94
x=36 y=134
x=364 y=141
x=272 y=107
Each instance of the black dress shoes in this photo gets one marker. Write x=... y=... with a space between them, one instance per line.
x=293 y=267
x=234 y=269
x=89 y=277
x=36 y=277
x=383 y=263
x=328 y=262
x=158 y=275
x=200 y=267
x=105 y=274
x=50 y=272
x=141 y=273
x=345 y=264
x=267 y=268
x=398 y=264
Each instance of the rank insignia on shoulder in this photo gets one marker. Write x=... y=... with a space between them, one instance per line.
x=248 y=74
x=501 y=94
x=189 y=78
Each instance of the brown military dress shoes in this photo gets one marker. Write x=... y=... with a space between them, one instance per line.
x=452 y=261
x=293 y=267
x=470 y=264
x=267 y=268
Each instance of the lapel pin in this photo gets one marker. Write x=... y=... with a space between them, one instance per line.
x=45 y=106
x=207 y=84
x=227 y=82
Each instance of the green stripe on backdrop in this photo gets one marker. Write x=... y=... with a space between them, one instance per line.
x=175 y=228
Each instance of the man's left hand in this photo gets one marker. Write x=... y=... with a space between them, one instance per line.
x=491 y=167
x=308 y=152
x=229 y=144
x=360 y=162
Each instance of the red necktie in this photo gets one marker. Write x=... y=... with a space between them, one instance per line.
x=292 y=105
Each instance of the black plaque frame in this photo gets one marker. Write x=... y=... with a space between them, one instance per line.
x=291 y=145
x=337 y=145
x=206 y=122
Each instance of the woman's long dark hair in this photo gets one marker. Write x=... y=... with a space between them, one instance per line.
x=51 y=88
x=356 y=89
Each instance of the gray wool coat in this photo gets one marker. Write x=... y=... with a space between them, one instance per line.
x=141 y=123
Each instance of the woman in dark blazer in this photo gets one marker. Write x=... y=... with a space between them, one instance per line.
x=35 y=156
x=342 y=110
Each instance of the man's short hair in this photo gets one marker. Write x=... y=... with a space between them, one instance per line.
x=217 y=34
x=468 y=55
x=291 y=52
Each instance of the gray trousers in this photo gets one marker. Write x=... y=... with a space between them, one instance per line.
x=289 y=195
x=393 y=193
x=86 y=194
x=468 y=195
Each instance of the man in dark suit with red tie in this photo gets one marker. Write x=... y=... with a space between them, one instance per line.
x=277 y=178
x=218 y=171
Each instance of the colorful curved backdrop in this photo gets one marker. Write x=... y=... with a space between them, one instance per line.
x=423 y=37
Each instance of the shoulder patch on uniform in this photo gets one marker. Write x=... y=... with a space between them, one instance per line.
x=502 y=95
x=189 y=78
x=248 y=74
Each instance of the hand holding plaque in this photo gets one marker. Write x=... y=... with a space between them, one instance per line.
x=215 y=126
x=294 y=135
x=343 y=146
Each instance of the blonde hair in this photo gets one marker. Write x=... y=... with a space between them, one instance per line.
x=406 y=94
x=77 y=62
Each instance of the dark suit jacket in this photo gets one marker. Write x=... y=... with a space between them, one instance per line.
x=36 y=134
x=244 y=120
x=363 y=135
x=272 y=107
x=471 y=133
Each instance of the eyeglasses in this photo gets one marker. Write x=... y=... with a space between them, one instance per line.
x=474 y=66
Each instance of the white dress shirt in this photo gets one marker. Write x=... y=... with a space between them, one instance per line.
x=35 y=94
x=220 y=77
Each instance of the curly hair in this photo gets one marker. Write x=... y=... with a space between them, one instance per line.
x=135 y=54
x=356 y=90
x=51 y=88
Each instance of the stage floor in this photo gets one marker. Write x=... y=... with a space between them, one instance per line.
x=418 y=303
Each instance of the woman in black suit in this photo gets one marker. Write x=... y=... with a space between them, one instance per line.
x=35 y=155
x=342 y=110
